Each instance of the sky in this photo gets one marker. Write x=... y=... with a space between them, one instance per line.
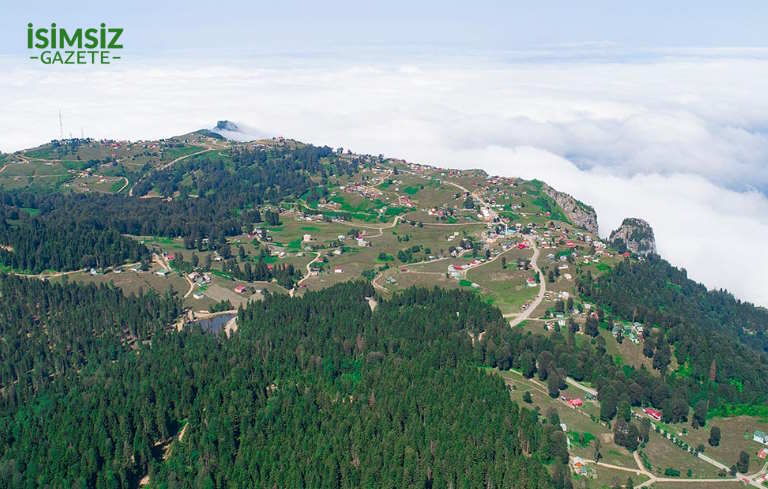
x=651 y=110
x=247 y=25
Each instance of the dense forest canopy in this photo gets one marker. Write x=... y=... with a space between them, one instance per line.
x=51 y=331
x=61 y=242
x=317 y=391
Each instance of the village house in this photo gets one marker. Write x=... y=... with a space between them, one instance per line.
x=760 y=437
x=574 y=402
x=578 y=466
x=656 y=414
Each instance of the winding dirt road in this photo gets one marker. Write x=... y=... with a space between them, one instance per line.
x=125 y=185
x=309 y=271
x=542 y=288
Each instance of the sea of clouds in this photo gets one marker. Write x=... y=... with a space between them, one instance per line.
x=676 y=138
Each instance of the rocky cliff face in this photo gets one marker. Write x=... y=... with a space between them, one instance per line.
x=634 y=235
x=579 y=213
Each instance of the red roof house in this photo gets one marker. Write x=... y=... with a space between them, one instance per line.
x=654 y=413
x=575 y=402
x=240 y=289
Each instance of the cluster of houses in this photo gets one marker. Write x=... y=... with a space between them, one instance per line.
x=456 y=251
x=457 y=270
x=405 y=201
x=579 y=467
x=200 y=279
x=441 y=212
x=762 y=438
x=365 y=191
x=261 y=234
x=633 y=332
x=485 y=213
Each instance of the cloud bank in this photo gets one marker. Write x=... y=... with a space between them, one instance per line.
x=678 y=139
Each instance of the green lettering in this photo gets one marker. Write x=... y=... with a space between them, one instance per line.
x=65 y=40
x=117 y=32
x=91 y=38
x=43 y=40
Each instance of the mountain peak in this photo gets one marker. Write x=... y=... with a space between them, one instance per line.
x=226 y=126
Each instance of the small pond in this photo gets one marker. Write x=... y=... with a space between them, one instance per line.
x=214 y=324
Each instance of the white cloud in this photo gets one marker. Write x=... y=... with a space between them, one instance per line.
x=679 y=141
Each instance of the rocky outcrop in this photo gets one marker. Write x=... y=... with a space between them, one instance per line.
x=238 y=132
x=634 y=235
x=227 y=126
x=579 y=213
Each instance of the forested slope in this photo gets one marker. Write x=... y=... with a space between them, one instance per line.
x=215 y=196
x=51 y=332
x=656 y=292
x=317 y=391
x=720 y=340
x=61 y=242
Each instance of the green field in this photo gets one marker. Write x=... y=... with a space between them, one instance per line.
x=173 y=153
x=736 y=436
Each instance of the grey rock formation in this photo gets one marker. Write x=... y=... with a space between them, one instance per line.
x=227 y=126
x=634 y=234
x=579 y=213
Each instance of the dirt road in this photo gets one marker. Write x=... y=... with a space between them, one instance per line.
x=542 y=288
x=309 y=271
